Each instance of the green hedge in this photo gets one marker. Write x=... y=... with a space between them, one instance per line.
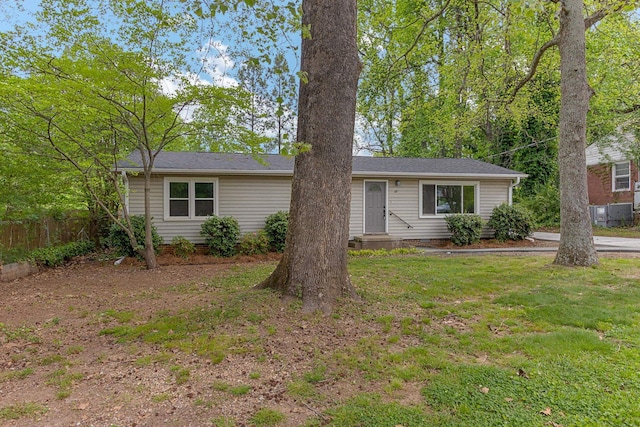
x=57 y=255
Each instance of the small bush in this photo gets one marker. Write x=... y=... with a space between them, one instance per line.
x=465 y=229
x=276 y=228
x=221 y=235
x=58 y=255
x=182 y=247
x=119 y=240
x=254 y=243
x=510 y=222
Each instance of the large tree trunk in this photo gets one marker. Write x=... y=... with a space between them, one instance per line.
x=314 y=263
x=576 y=241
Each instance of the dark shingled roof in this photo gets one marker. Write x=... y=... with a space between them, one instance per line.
x=228 y=163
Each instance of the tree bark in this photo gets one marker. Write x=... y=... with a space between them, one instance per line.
x=576 y=241
x=314 y=263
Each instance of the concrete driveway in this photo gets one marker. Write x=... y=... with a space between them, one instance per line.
x=603 y=244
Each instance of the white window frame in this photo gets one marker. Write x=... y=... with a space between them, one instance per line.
x=476 y=193
x=192 y=201
x=614 y=177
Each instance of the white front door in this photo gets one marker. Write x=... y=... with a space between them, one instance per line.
x=375 y=209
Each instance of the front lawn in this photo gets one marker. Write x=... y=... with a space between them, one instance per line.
x=436 y=340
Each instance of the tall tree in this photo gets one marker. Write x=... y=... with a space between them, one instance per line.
x=314 y=263
x=576 y=240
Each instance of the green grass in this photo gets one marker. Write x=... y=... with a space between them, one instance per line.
x=64 y=381
x=443 y=341
x=267 y=417
x=571 y=333
x=16 y=375
x=21 y=410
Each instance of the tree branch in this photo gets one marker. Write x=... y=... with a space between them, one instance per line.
x=422 y=30
x=534 y=66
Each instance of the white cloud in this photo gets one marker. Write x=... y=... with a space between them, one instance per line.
x=217 y=63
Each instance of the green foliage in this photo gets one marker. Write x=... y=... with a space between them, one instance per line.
x=221 y=235
x=7 y=256
x=254 y=243
x=276 y=228
x=465 y=228
x=57 y=255
x=544 y=204
x=510 y=222
x=119 y=239
x=183 y=247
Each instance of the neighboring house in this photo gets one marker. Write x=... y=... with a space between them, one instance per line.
x=611 y=173
x=403 y=197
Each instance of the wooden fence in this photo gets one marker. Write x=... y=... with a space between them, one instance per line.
x=41 y=233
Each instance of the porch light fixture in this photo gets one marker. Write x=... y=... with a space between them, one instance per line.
x=397 y=183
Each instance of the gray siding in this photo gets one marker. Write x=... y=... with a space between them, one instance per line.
x=251 y=199
x=404 y=203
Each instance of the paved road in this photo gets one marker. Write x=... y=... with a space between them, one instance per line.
x=602 y=243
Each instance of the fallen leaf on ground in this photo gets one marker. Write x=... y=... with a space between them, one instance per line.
x=546 y=411
x=484 y=390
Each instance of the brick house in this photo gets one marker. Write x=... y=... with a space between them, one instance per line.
x=611 y=173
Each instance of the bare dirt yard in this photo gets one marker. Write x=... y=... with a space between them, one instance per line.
x=58 y=369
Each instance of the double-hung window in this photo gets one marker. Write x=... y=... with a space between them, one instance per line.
x=441 y=198
x=621 y=176
x=189 y=198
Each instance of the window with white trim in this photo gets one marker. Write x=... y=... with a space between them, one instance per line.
x=621 y=176
x=189 y=198
x=441 y=198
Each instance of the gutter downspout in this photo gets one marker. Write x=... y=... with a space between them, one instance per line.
x=511 y=187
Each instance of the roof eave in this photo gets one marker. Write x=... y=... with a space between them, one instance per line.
x=355 y=173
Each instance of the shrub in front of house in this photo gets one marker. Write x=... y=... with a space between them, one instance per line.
x=119 y=240
x=276 y=228
x=510 y=222
x=465 y=228
x=254 y=243
x=182 y=247
x=221 y=235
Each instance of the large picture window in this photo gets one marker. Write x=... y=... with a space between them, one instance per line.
x=621 y=177
x=189 y=198
x=447 y=198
